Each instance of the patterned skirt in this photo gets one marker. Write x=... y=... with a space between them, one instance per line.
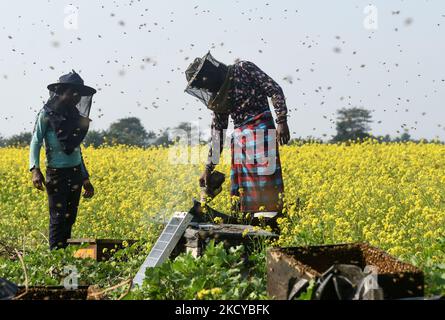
x=256 y=176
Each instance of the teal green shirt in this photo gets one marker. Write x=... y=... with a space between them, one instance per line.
x=55 y=157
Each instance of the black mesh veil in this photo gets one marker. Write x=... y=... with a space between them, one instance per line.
x=84 y=105
x=192 y=72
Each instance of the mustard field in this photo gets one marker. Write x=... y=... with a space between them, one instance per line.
x=389 y=195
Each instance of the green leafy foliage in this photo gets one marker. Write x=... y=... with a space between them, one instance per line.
x=218 y=274
x=44 y=267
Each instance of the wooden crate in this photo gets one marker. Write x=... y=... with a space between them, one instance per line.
x=198 y=235
x=95 y=248
x=285 y=266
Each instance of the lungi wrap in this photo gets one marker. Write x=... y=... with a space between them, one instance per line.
x=256 y=176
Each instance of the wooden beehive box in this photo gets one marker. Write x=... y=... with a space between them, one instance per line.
x=95 y=248
x=285 y=266
x=198 y=235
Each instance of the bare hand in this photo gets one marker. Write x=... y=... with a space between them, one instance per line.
x=89 y=189
x=37 y=179
x=283 y=135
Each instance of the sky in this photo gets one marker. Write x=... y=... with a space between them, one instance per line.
x=385 y=56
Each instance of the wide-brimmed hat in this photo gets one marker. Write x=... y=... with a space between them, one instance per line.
x=73 y=80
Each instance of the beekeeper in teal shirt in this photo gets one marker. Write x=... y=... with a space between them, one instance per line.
x=55 y=157
x=61 y=125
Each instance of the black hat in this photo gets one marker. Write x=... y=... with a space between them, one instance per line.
x=72 y=79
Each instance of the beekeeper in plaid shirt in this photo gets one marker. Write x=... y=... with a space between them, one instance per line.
x=241 y=91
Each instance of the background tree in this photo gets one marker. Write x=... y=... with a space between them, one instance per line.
x=161 y=139
x=385 y=138
x=128 y=131
x=19 y=140
x=95 y=138
x=404 y=137
x=193 y=132
x=352 y=124
x=304 y=140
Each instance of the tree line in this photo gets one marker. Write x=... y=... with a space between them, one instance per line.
x=127 y=131
x=353 y=124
